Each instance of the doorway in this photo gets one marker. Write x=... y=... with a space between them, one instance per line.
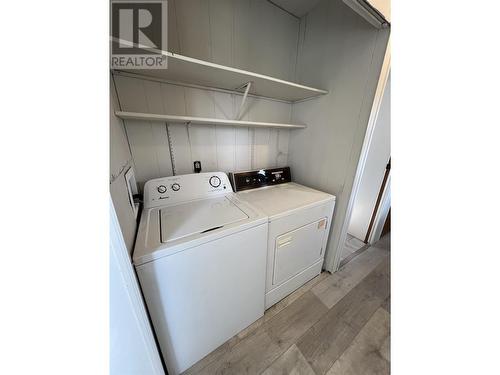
x=371 y=201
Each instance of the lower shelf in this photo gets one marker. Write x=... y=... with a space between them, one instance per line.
x=203 y=120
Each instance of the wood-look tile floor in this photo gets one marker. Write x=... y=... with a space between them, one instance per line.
x=351 y=245
x=335 y=324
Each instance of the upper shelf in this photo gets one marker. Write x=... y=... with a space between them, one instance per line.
x=185 y=69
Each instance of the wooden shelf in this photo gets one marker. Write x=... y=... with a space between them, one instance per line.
x=183 y=69
x=203 y=120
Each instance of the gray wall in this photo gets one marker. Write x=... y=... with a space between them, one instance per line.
x=247 y=34
x=342 y=53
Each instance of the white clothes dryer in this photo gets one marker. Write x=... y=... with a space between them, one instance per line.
x=299 y=224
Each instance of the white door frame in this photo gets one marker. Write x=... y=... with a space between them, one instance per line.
x=119 y=251
x=377 y=101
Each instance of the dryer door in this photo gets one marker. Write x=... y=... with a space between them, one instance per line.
x=298 y=249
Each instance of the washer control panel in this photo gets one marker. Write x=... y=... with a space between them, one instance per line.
x=177 y=189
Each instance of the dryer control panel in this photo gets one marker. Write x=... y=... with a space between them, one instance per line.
x=263 y=177
x=171 y=190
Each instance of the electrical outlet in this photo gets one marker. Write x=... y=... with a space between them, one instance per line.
x=197 y=166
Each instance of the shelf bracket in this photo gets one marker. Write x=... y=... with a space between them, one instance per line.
x=242 y=105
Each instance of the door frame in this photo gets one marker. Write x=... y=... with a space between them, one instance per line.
x=375 y=217
x=382 y=212
x=377 y=101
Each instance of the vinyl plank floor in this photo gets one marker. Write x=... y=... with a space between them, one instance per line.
x=292 y=362
x=384 y=242
x=291 y=323
x=227 y=352
x=285 y=302
x=368 y=353
x=251 y=356
x=325 y=342
x=258 y=350
x=335 y=324
x=351 y=246
x=334 y=288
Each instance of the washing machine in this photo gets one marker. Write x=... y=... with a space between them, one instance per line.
x=200 y=257
x=299 y=223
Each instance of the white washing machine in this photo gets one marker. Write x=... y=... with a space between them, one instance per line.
x=200 y=256
x=299 y=223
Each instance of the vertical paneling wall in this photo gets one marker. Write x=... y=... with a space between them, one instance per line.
x=342 y=52
x=247 y=34
x=220 y=148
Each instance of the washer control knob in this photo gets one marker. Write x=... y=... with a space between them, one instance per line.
x=214 y=181
x=161 y=189
x=176 y=186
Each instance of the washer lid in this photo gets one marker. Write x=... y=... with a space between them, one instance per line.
x=197 y=217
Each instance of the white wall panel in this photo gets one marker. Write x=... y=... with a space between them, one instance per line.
x=173 y=35
x=243 y=149
x=146 y=149
x=221 y=14
x=283 y=144
x=203 y=146
x=226 y=148
x=260 y=148
x=265 y=38
x=174 y=102
x=247 y=34
x=243 y=136
x=199 y=102
x=153 y=93
x=193 y=28
x=226 y=136
x=343 y=52
x=223 y=105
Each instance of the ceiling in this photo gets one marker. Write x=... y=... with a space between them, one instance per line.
x=298 y=8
